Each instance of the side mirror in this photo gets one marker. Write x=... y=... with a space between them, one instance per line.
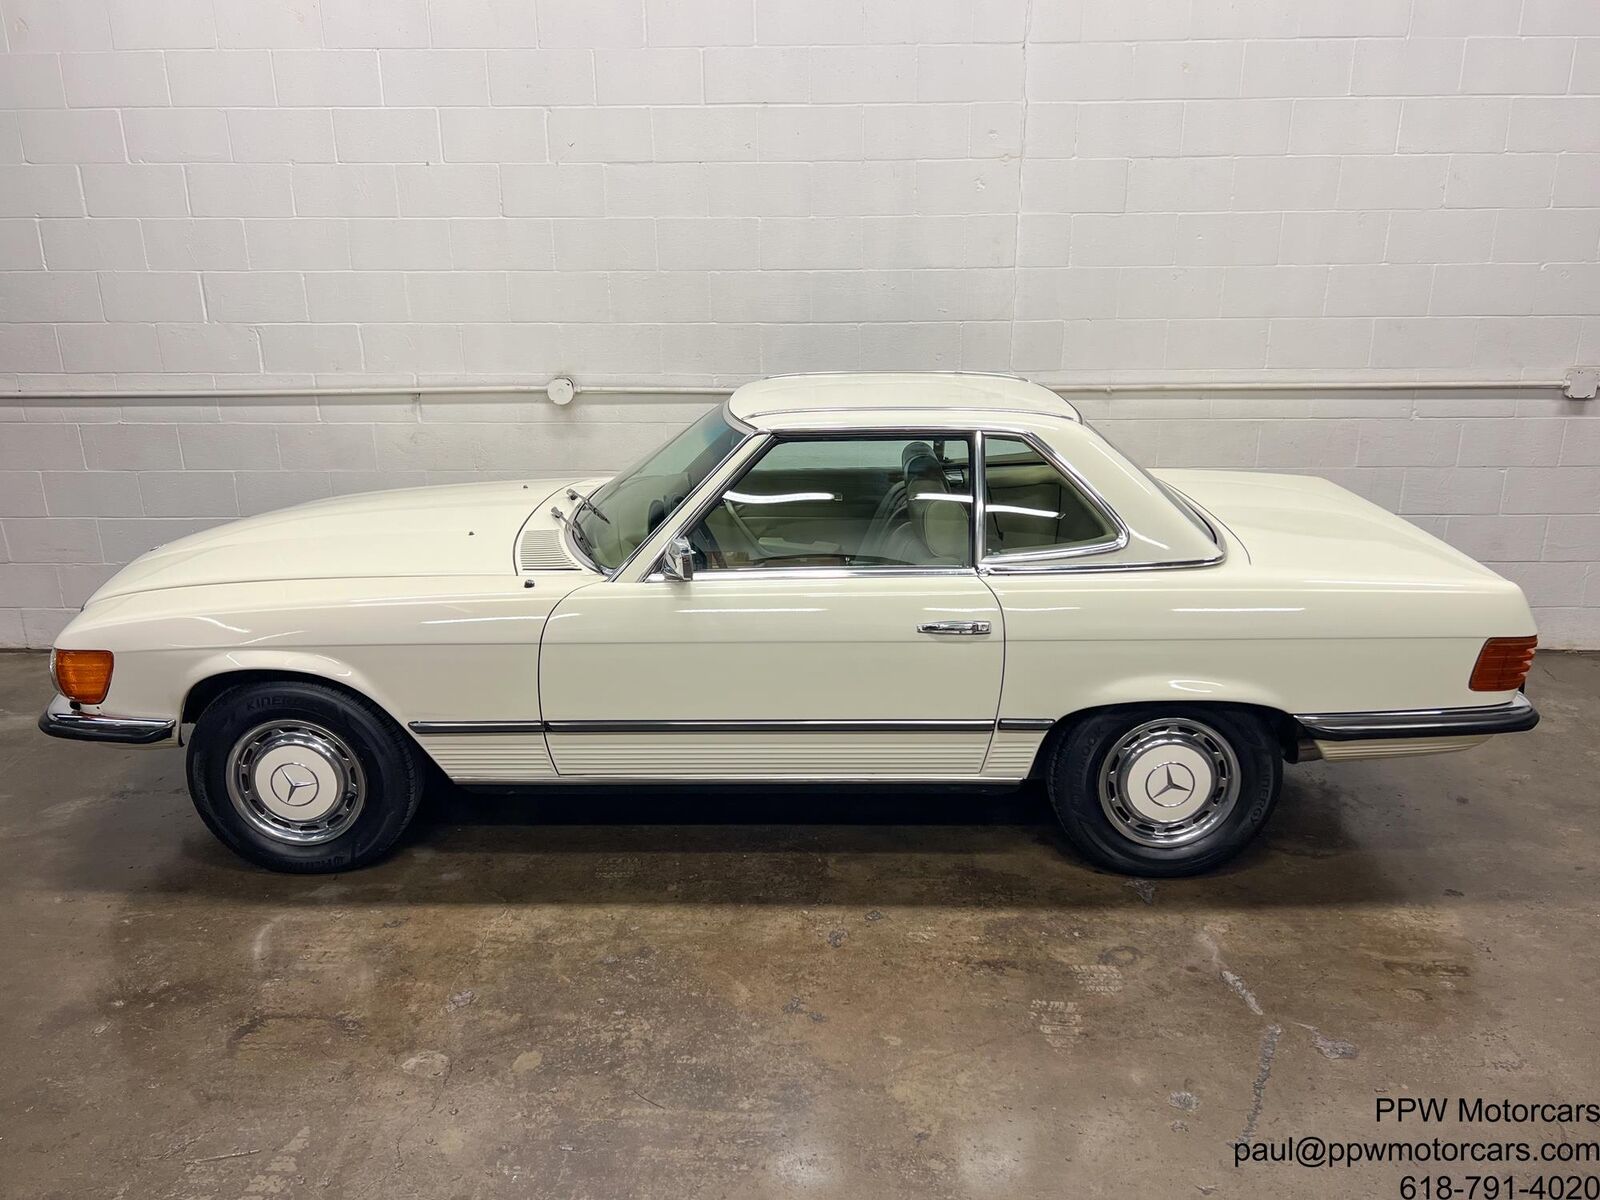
x=677 y=563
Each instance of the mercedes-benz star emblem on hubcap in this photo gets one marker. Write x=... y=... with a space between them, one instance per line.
x=294 y=784
x=1170 y=784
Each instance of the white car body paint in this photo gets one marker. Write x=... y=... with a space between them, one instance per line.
x=462 y=609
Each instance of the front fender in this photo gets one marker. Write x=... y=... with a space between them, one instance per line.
x=311 y=664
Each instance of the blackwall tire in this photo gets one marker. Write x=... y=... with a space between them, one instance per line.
x=303 y=778
x=1164 y=791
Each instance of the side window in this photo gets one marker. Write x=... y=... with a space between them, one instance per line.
x=845 y=502
x=1032 y=508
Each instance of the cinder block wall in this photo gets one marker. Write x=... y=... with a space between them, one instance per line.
x=1511 y=477
x=224 y=194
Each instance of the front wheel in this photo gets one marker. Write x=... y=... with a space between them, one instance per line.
x=1164 y=791
x=302 y=777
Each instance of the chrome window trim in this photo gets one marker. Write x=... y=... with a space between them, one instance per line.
x=760 y=439
x=940 y=374
x=772 y=440
x=1119 y=541
x=980 y=496
x=815 y=573
x=752 y=435
x=1181 y=564
x=1050 y=562
x=1514 y=716
x=1071 y=414
x=1188 y=506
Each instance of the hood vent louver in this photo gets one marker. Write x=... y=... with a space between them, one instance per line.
x=541 y=551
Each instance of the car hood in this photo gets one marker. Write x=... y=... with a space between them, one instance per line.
x=1315 y=529
x=457 y=529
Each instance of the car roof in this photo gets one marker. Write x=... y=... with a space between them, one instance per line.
x=930 y=394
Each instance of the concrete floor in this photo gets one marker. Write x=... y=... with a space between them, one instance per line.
x=653 y=993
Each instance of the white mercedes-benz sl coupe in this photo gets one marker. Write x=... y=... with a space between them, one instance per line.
x=941 y=578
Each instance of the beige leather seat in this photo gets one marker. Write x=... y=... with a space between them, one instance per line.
x=890 y=518
x=936 y=530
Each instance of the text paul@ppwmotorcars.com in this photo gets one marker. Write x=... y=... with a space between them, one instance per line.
x=1460 y=1148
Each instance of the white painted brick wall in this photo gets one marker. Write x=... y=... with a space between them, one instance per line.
x=206 y=194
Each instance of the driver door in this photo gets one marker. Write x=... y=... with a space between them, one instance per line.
x=834 y=628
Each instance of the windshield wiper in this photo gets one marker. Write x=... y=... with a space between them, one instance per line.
x=579 y=537
x=584 y=502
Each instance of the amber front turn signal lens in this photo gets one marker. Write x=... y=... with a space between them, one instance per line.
x=1502 y=664
x=82 y=675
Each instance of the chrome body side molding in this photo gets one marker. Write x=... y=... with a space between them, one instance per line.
x=426 y=728
x=1515 y=716
x=453 y=727
x=1023 y=724
x=819 y=726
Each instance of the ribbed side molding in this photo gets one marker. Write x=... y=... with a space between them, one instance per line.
x=800 y=756
x=507 y=751
x=1012 y=751
x=1397 y=747
x=509 y=759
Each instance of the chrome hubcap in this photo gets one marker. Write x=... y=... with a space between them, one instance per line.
x=296 y=782
x=1169 y=782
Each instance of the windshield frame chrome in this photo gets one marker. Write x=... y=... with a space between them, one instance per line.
x=735 y=423
x=695 y=500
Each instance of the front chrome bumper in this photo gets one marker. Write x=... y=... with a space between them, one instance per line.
x=63 y=721
x=1515 y=716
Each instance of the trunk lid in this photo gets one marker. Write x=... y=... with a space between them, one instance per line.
x=1317 y=529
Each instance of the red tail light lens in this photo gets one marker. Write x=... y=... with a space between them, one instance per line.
x=1502 y=664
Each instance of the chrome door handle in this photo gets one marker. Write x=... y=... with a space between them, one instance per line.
x=960 y=628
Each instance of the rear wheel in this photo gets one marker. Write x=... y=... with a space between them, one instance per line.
x=302 y=777
x=1164 y=791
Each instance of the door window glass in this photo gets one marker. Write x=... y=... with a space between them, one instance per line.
x=845 y=502
x=1030 y=507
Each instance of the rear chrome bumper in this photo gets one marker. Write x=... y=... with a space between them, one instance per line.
x=63 y=721
x=1515 y=716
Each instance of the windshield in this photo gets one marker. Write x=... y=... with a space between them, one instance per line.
x=627 y=508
